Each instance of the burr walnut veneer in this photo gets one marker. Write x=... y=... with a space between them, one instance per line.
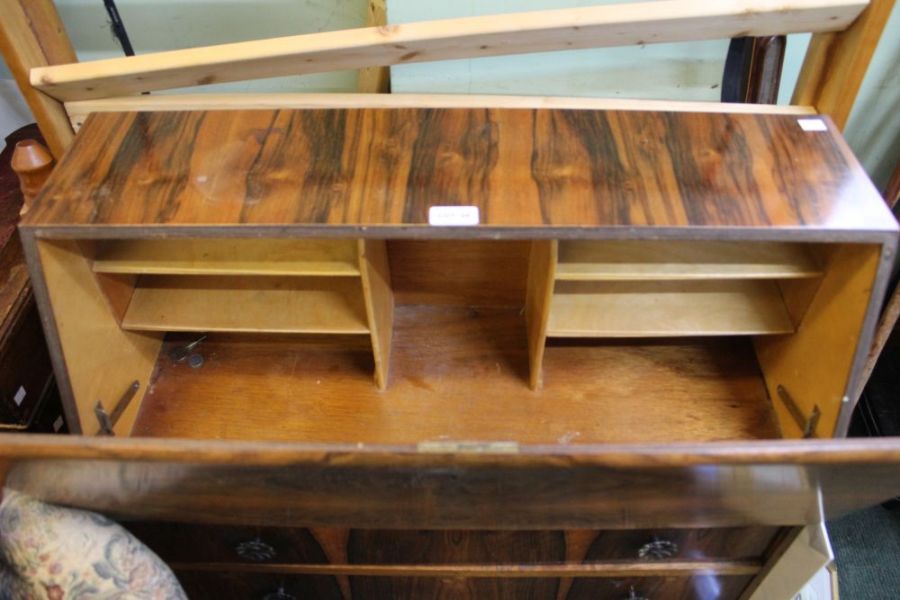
x=650 y=304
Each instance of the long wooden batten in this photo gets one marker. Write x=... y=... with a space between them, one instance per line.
x=494 y=35
x=79 y=110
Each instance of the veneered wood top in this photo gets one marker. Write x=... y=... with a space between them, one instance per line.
x=571 y=173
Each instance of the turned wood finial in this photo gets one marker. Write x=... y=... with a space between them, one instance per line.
x=32 y=163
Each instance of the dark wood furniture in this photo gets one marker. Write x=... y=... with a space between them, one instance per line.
x=751 y=255
x=29 y=400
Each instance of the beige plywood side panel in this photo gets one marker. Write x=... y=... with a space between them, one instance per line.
x=814 y=364
x=101 y=359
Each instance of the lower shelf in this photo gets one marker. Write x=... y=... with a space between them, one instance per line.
x=250 y=304
x=460 y=374
x=667 y=308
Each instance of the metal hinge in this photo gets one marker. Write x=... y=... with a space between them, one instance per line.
x=806 y=424
x=107 y=420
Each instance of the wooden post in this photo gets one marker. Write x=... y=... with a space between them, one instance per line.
x=836 y=63
x=32 y=35
x=375 y=80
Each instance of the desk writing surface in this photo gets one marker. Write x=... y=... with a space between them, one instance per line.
x=526 y=170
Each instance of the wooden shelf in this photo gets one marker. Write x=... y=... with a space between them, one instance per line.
x=667 y=308
x=656 y=260
x=247 y=304
x=229 y=257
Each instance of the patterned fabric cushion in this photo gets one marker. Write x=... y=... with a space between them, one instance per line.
x=67 y=554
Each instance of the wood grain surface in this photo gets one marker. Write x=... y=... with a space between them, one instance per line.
x=358 y=485
x=460 y=374
x=446 y=39
x=376 y=172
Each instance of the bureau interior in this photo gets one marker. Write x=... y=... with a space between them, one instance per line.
x=541 y=341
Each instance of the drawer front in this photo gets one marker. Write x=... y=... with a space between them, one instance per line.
x=685 y=544
x=245 y=586
x=700 y=587
x=180 y=543
x=238 y=586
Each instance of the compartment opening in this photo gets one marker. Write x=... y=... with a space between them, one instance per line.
x=463 y=348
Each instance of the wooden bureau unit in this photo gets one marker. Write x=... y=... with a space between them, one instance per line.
x=614 y=355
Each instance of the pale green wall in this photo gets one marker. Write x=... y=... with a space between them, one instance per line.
x=688 y=71
x=155 y=25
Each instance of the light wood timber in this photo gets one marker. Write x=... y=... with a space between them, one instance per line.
x=80 y=109
x=96 y=359
x=375 y=80
x=836 y=63
x=228 y=257
x=494 y=35
x=666 y=308
x=539 y=293
x=32 y=35
x=682 y=260
x=815 y=365
x=249 y=304
x=379 y=300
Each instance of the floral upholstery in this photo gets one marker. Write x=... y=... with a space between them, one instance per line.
x=55 y=553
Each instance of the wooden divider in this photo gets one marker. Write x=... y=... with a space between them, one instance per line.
x=494 y=35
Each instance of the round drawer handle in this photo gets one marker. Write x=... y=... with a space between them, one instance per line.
x=632 y=595
x=255 y=550
x=279 y=594
x=658 y=549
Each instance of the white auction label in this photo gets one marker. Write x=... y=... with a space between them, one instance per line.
x=812 y=125
x=453 y=216
x=20 y=396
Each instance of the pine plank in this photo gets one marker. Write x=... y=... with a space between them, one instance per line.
x=621 y=24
